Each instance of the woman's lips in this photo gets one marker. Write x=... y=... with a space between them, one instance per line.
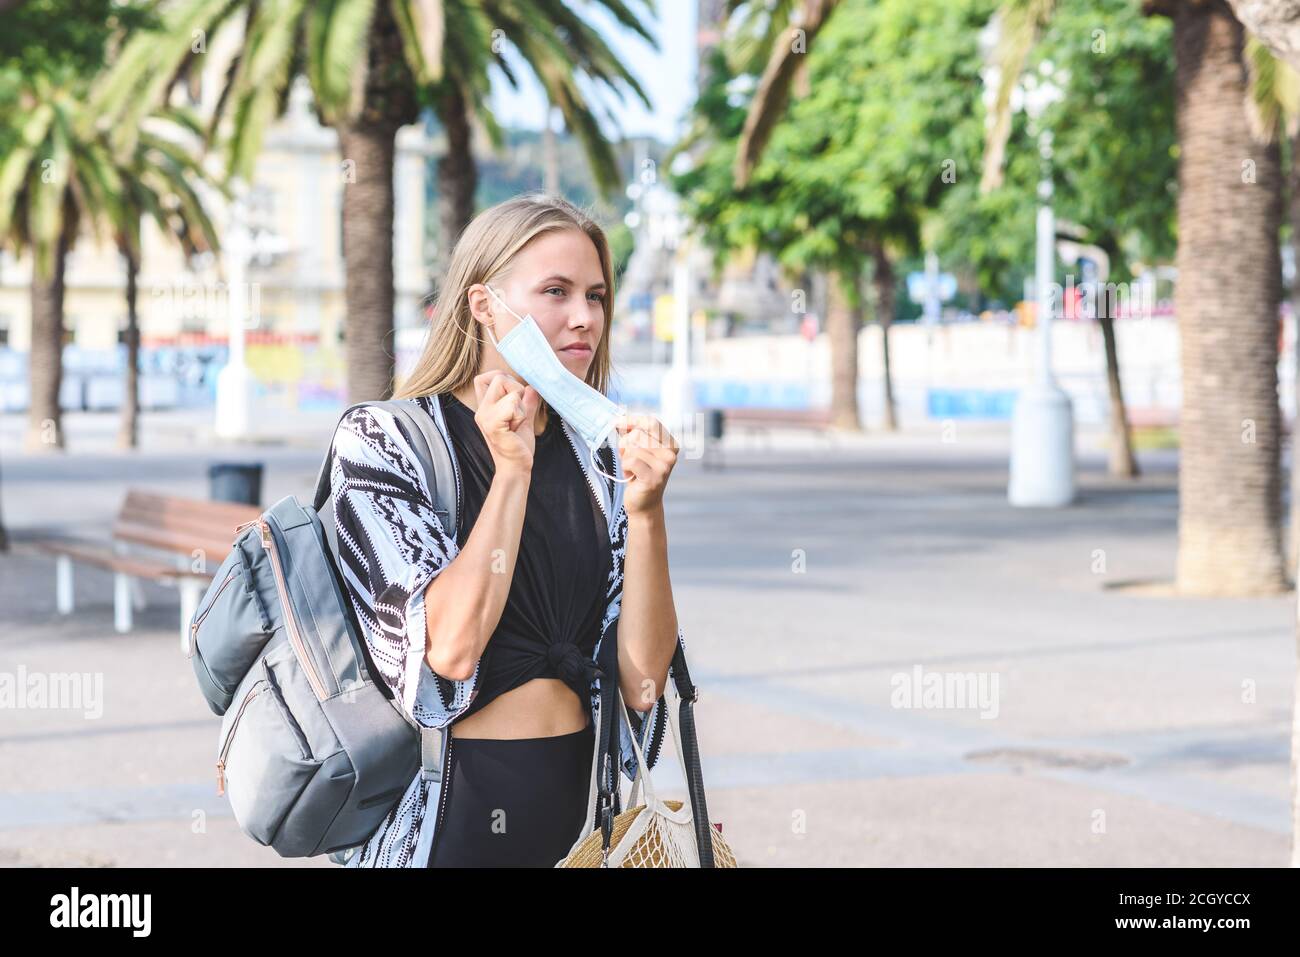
x=577 y=350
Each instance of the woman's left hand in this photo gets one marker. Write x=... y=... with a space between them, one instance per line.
x=648 y=452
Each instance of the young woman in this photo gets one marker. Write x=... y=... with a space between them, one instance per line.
x=491 y=629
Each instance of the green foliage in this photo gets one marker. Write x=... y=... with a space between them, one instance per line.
x=1114 y=157
x=64 y=38
x=887 y=147
x=857 y=163
x=327 y=40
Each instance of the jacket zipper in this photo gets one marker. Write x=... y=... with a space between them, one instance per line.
x=194 y=625
x=291 y=622
x=587 y=474
x=446 y=784
x=225 y=748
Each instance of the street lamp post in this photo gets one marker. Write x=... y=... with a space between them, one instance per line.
x=677 y=389
x=234 y=382
x=1042 y=427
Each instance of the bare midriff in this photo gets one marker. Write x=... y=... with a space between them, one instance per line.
x=538 y=708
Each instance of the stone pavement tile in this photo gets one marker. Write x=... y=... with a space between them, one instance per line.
x=727 y=725
x=162 y=843
x=975 y=820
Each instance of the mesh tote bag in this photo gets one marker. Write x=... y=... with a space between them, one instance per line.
x=657 y=833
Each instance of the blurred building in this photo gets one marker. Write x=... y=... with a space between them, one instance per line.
x=295 y=210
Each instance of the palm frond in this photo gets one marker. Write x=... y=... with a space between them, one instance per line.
x=1272 y=93
x=337 y=31
x=423 y=26
x=774 y=87
x=1019 y=24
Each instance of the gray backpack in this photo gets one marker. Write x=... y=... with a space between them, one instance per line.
x=313 y=751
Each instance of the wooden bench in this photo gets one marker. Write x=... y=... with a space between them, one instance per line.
x=175 y=541
x=762 y=421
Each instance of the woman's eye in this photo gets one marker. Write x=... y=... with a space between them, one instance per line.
x=598 y=296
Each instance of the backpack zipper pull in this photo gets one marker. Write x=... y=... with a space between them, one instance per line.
x=221 y=777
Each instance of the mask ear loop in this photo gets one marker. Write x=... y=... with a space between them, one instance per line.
x=599 y=442
x=612 y=478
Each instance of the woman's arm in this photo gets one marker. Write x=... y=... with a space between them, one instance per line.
x=467 y=607
x=467 y=599
x=647 y=630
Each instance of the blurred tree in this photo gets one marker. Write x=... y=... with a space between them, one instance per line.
x=161 y=181
x=890 y=122
x=51 y=182
x=54 y=39
x=1227 y=299
x=782 y=31
x=372 y=67
x=1113 y=146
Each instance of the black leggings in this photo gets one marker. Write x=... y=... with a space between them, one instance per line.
x=513 y=802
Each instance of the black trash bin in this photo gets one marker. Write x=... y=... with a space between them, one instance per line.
x=235 y=482
x=715 y=424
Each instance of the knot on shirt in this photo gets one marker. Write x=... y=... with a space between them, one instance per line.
x=568 y=663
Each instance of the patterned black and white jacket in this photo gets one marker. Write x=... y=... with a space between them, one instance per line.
x=391 y=546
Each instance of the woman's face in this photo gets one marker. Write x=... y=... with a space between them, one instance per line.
x=557 y=279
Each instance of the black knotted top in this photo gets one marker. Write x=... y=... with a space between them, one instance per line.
x=551 y=621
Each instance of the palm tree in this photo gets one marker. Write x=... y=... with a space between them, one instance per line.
x=161 y=181
x=1227 y=299
x=773 y=41
x=1276 y=107
x=372 y=67
x=51 y=182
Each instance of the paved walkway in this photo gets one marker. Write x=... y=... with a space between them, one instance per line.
x=813 y=580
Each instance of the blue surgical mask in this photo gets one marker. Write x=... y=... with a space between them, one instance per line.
x=589 y=412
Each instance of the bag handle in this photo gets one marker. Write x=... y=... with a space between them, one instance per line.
x=682 y=727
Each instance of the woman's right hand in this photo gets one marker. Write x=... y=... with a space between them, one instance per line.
x=506 y=409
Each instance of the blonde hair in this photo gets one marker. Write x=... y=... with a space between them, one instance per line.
x=484 y=253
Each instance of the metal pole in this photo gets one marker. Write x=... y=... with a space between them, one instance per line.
x=234 y=381
x=1042 y=427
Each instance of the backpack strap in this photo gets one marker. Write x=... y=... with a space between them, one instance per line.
x=428 y=441
x=433 y=450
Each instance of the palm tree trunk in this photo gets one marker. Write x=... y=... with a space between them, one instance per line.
x=128 y=436
x=457 y=172
x=45 y=360
x=368 y=255
x=1227 y=298
x=1293 y=215
x=842 y=323
x=1123 y=464
x=370 y=142
x=883 y=279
